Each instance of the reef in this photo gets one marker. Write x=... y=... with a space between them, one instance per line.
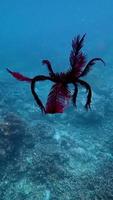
x=56 y=157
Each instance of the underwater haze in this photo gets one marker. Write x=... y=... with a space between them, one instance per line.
x=67 y=156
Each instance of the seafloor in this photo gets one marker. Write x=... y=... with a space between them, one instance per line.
x=56 y=157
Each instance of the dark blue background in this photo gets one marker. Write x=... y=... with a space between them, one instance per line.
x=31 y=30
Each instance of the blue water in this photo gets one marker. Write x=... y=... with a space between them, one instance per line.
x=65 y=156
